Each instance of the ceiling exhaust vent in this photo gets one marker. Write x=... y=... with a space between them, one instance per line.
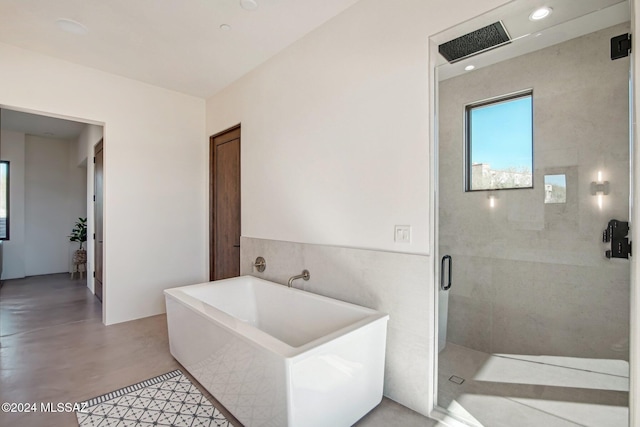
x=477 y=41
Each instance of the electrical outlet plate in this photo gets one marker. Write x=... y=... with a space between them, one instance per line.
x=402 y=234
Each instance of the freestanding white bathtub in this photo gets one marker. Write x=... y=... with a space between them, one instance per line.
x=278 y=356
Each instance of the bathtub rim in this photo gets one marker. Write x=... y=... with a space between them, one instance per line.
x=262 y=339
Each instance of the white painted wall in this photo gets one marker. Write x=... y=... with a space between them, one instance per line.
x=335 y=151
x=13 y=150
x=155 y=173
x=47 y=195
x=335 y=129
x=55 y=189
x=89 y=137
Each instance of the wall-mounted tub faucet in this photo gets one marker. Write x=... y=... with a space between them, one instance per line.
x=305 y=275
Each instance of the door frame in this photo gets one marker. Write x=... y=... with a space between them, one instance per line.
x=212 y=207
x=439 y=413
x=89 y=181
x=99 y=146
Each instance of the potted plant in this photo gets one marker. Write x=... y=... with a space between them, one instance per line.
x=79 y=234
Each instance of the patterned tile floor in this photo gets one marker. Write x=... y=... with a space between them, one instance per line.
x=166 y=400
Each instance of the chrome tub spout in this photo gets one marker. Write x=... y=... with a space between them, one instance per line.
x=305 y=275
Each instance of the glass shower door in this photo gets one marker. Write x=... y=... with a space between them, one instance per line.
x=534 y=330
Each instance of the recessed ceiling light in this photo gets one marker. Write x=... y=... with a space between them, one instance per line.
x=248 y=4
x=71 y=26
x=540 y=13
x=469 y=67
x=225 y=27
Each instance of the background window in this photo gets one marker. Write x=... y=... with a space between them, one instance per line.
x=4 y=200
x=500 y=143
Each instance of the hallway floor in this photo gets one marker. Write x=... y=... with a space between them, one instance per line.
x=54 y=348
x=504 y=390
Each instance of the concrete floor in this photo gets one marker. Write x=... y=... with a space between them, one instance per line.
x=506 y=390
x=54 y=348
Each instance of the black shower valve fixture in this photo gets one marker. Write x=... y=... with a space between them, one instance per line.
x=620 y=46
x=616 y=233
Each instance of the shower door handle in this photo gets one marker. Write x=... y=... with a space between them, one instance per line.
x=442 y=263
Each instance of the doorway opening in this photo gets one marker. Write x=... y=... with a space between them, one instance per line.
x=51 y=200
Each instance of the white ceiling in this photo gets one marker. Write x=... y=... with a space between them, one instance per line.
x=570 y=19
x=174 y=44
x=179 y=45
x=34 y=124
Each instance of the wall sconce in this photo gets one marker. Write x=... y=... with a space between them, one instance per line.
x=492 y=199
x=600 y=188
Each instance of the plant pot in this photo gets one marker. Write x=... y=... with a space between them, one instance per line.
x=80 y=256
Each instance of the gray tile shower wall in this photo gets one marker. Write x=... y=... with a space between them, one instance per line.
x=397 y=284
x=530 y=277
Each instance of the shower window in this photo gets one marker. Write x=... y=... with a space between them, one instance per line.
x=499 y=142
x=4 y=200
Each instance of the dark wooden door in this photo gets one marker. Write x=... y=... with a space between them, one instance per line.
x=98 y=215
x=225 y=204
